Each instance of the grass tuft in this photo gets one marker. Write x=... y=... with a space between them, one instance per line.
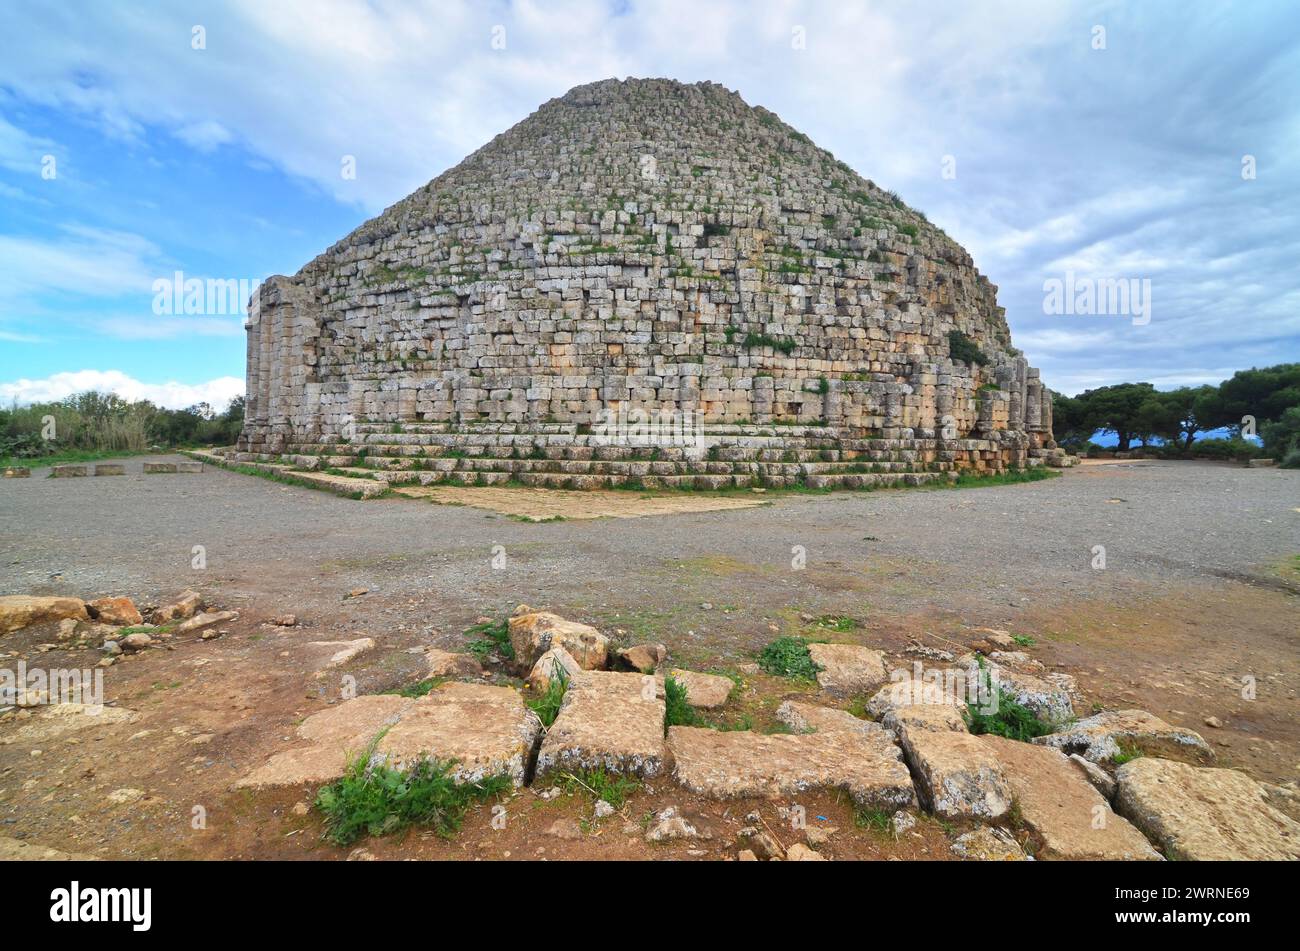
x=788 y=657
x=678 y=712
x=614 y=788
x=547 y=706
x=488 y=638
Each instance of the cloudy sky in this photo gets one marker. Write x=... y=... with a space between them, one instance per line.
x=1150 y=142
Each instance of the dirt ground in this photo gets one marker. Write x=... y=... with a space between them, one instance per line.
x=1199 y=593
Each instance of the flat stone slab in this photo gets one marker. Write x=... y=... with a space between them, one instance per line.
x=703 y=691
x=487 y=730
x=956 y=774
x=110 y=469
x=1099 y=738
x=332 y=739
x=1054 y=799
x=727 y=765
x=69 y=472
x=189 y=468
x=846 y=670
x=1204 y=814
x=159 y=467
x=813 y=718
x=608 y=720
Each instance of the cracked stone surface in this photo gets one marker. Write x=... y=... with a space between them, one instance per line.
x=1099 y=738
x=956 y=774
x=725 y=765
x=608 y=719
x=847 y=670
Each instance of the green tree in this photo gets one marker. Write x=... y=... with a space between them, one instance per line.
x=1115 y=409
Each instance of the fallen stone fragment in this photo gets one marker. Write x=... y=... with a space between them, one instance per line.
x=68 y=472
x=602 y=809
x=534 y=633
x=746 y=855
x=724 y=765
x=182 y=607
x=846 y=670
x=1066 y=813
x=762 y=844
x=206 y=619
x=956 y=774
x=18 y=611
x=155 y=468
x=812 y=718
x=556 y=662
x=988 y=844
x=645 y=658
x=135 y=642
x=1204 y=814
x=1101 y=780
x=670 y=825
x=1099 y=738
x=607 y=720
x=189 y=468
x=487 y=730
x=120 y=611
x=902 y=822
x=285 y=620
x=342 y=652
x=447 y=664
x=703 y=691
x=110 y=469
x=798 y=852
x=17 y=472
x=332 y=739
x=566 y=829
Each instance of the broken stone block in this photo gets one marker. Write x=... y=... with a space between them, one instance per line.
x=160 y=467
x=18 y=611
x=68 y=472
x=1099 y=738
x=341 y=651
x=487 y=730
x=208 y=618
x=956 y=774
x=1065 y=812
x=727 y=765
x=811 y=718
x=189 y=468
x=608 y=720
x=846 y=670
x=110 y=469
x=534 y=633
x=121 y=611
x=556 y=662
x=334 y=738
x=182 y=607
x=645 y=658
x=17 y=472
x=988 y=844
x=447 y=664
x=671 y=824
x=1204 y=814
x=798 y=852
x=703 y=691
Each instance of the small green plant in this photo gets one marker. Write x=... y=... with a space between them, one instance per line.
x=1023 y=640
x=614 y=788
x=380 y=800
x=962 y=347
x=489 y=637
x=421 y=688
x=788 y=657
x=547 y=706
x=1006 y=717
x=879 y=821
x=832 y=622
x=1126 y=752
x=678 y=711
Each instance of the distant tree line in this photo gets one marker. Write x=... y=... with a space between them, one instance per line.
x=1173 y=419
x=94 y=422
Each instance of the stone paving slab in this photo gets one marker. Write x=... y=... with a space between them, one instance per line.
x=488 y=731
x=956 y=774
x=1056 y=801
x=813 y=718
x=1099 y=738
x=846 y=670
x=1203 y=813
x=608 y=720
x=726 y=765
x=704 y=691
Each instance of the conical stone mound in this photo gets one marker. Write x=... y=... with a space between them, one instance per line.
x=644 y=282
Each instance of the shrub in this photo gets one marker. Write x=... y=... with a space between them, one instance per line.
x=678 y=711
x=962 y=347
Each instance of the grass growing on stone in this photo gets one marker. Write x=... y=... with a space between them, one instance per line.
x=1126 y=753
x=547 y=705
x=380 y=800
x=614 y=788
x=490 y=637
x=677 y=711
x=788 y=657
x=420 y=689
x=1008 y=718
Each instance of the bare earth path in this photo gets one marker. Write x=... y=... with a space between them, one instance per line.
x=1198 y=592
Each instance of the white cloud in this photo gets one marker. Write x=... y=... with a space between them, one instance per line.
x=85 y=261
x=217 y=393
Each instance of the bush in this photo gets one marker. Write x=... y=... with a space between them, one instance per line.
x=678 y=711
x=963 y=348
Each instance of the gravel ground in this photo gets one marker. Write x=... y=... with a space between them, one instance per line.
x=987 y=548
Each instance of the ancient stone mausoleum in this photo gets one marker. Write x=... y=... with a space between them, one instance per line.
x=646 y=283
